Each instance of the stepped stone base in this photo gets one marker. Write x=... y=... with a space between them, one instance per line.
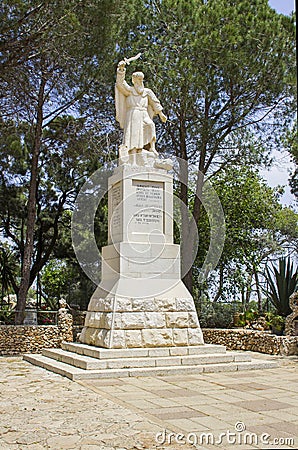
x=79 y=361
x=167 y=320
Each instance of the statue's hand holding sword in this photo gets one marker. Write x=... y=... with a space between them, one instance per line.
x=121 y=68
x=122 y=64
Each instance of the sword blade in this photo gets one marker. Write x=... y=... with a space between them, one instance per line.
x=133 y=58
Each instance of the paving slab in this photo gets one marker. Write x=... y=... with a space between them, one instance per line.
x=39 y=409
x=42 y=410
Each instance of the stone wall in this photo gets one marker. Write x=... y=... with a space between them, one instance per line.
x=290 y=325
x=15 y=339
x=257 y=341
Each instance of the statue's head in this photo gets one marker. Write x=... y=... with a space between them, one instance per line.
x=137 y=78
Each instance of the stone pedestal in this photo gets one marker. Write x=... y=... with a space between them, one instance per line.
x=141 y=300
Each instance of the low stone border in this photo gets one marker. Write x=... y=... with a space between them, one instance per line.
x=253 y=340
x=33 y=338
x=16 y=339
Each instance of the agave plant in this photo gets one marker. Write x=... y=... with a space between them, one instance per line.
x=282 y=282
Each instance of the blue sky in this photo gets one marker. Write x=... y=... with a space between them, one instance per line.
x=283 y=6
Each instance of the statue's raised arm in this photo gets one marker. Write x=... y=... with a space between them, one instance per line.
x=135 y=108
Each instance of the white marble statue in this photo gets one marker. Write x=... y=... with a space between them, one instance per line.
x=135 y=108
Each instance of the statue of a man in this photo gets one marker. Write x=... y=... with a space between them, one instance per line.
x=135 y=108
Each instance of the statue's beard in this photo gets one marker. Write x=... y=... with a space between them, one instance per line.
x=139 y=88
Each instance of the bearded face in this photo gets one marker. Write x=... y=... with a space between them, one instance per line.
x=138 y=84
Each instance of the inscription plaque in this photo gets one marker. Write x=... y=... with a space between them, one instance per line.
x=116 y=219
x=147 y=207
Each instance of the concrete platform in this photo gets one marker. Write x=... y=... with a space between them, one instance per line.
x=81 y=361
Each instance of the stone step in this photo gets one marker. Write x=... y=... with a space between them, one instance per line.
x=239 y=357
x=89 y=363
x=54 y=366
x=79 y=374
x=105 y=353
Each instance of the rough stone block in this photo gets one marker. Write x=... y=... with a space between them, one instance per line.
x=180 y=336
x=93 y=319
x=123 y=304
x=155 y=320
x=133 y=320
x=133 y=338
x=82 y=335
x=91 y=336
x=177 y=319
x=106 y=320
x=111 y=320
x=114 y=339
x=165 y=304
x=101 y=338
x=157 y=337
x=193 y=320
x=143 y=304
x=185 y=304
x=101 y=304
x=195 y=336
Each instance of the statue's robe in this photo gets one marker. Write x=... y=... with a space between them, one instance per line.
x=134 y=112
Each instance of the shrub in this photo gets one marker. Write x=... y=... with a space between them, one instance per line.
x=217 y=315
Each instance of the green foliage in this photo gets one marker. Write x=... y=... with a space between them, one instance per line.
x=68 y=155
x=217 y=66
x=220 y=68
x=291 y=143
x=257 y=226
x=62 y=278
x=282 y=282
x=50 y=57
x=250 y=209
x=55 y=279
x=275 y=321
x=252 y=319
x=8 y=271
x=7 y=314
x=225 y=72
x=247 y=318
x=217 y=315
x=33 y=31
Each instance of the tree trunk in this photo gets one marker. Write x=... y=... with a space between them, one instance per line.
x=189 y=227
x=248 y=291
x=188 y=252
x=197 y=207
x=186 y=241
x=243 y=297
x=220 y=287
x=31 y=211
x=260 y=308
